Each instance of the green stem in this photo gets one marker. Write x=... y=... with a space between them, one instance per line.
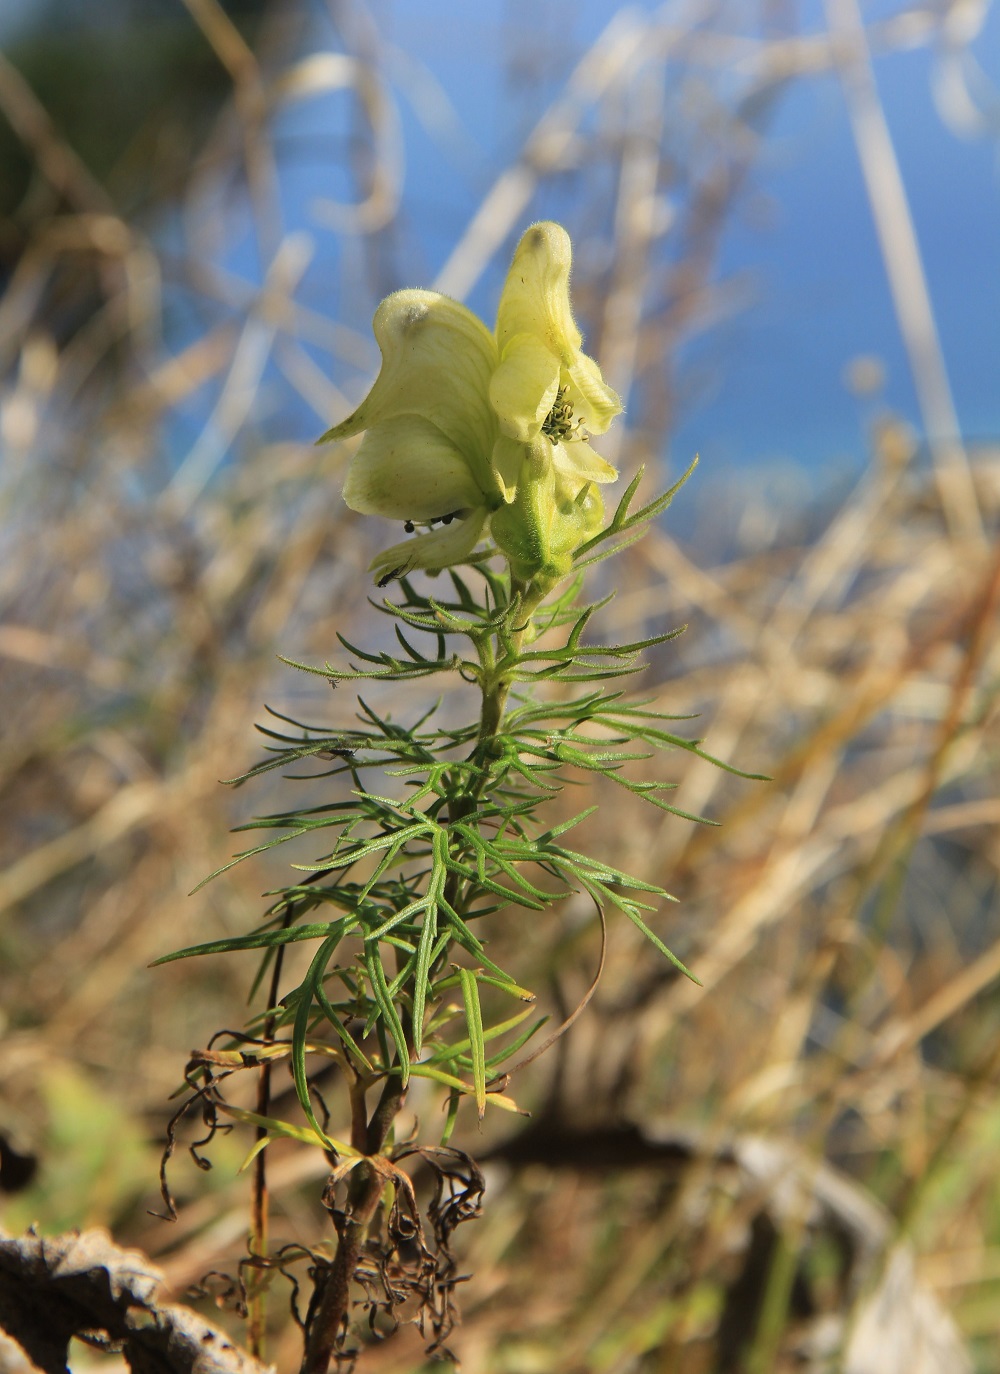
x=497 y=678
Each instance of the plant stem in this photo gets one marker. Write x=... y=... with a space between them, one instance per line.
x=364 y=1193
x=366 y=1184
x=497 y=679
x=257 y=1303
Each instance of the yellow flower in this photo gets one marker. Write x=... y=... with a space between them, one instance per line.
x=547 y=395
x=469 y=434
x=429 y=432
x=544 y=383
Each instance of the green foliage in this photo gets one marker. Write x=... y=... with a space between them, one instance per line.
x=401 y=975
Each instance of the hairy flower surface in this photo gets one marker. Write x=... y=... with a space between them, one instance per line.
x=552 y=514
x=542 y=370
x=468 y=433
x=429 y=431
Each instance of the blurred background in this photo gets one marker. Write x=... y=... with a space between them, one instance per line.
x=787 y=230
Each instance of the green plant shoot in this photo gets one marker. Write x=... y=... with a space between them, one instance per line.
x=436 y=833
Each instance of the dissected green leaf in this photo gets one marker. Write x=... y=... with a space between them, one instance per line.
x=455 y=836
x=330 y=1012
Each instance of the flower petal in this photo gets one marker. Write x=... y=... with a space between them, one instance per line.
x=535 y=296
x=442 y=548
x=437 y=359
x=523 y=388
x=588 y=393
x=535 y=302
x=508 y=462
x=406 y=469
x=576 y=461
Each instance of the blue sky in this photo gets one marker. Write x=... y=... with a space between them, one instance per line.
x=767 y=384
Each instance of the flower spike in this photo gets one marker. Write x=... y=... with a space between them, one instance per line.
x=469 y=434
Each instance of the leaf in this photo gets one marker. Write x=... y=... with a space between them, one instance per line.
x=330 y=1012
x=248 y=854
x=362 y=848
x=428 y=934
x=494 y=1060
x=386 y=1006
x=488 y=884
x=619 y=719
x=454 y=1098
x=506 y=984
x=455 y=1051
x=285 y=1129
x=463 y=934
x=300 y=1030
x=501 y=1100
x=487 y=849
x=262 y=939
x=426 y=951
x=598 y=891
x=384 y=864
x=561 y=829
x=394 y=669
x=398 y=917
x=621 y=521
x=477 y=1043
x=329 y=745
